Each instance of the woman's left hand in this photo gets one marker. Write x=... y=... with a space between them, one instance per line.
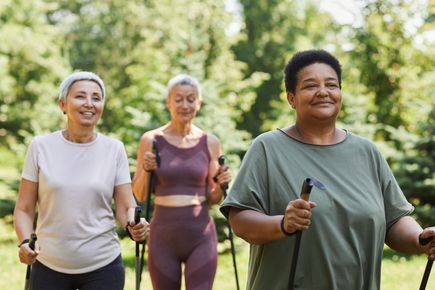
x=224 y=176
x=430 y=247
x=139 y=232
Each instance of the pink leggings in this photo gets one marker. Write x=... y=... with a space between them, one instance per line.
x=182 y=235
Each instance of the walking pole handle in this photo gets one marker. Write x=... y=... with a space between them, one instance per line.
x=156 y=152
x=224 y=186
x=423 y=242
x=137 y=212
x=32 y=241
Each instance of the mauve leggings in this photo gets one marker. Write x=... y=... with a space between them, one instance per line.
x=182 y=235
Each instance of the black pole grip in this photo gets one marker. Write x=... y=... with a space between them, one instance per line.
x=221 y=161
x=32 y=241
x=156 y=152
x=137 y=212
x=424 y=241
x=307 y=186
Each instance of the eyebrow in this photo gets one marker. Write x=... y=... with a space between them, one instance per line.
x=314 y=79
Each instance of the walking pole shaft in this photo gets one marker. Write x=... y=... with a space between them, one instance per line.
x=224 y=187
x=148 y=207
x=137 y=212
x=32 y=241
x=305 y=195
x=425 y=241
x=426 y=275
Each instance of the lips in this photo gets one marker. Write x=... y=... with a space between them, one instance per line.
x=322 y=103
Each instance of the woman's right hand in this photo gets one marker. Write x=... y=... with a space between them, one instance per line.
x=27 y=255
x=297 y=215
x=149 y=162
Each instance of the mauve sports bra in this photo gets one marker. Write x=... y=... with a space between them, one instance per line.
x=182 y=170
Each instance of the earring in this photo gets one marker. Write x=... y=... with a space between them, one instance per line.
x=64 y=112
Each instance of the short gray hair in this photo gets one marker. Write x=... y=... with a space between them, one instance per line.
x=184 y=79
x=80 y=76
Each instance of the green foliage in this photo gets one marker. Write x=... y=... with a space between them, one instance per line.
x=270 y=36
x=137 y=46
x=416 y=172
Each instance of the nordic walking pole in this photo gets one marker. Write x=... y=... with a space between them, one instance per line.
x=423 y=242
x=224 y=187
x=305 y=195
x=32 y=241
x=137 y=212
x=148 y=208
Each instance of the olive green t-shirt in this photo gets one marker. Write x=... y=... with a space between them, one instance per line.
x=343 y=247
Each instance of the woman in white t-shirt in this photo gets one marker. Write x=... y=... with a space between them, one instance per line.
x=72 y=176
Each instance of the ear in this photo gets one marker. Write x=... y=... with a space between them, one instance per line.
x=199 y=104
x=291 y=99
x=62 y=106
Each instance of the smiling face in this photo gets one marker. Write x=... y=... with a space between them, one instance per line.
x=317 y=94
x=183 y=103
x=83 y=104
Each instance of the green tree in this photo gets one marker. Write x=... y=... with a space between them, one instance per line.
x=31 y=67
x=137 y=46
x=416 y=172
x=390 y=66
x=271 y=32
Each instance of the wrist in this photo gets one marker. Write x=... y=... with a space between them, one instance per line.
x=25 y=241
x=283 y=229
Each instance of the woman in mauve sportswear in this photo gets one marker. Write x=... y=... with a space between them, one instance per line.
x=187 y=180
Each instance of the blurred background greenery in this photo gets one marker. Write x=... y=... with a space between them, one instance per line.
x=237 y=49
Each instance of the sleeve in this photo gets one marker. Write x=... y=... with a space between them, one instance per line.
x=250 y=187
x=31 y=167
x=395 y=202
x=122 y=168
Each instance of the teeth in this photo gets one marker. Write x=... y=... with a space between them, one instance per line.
x=88 y=113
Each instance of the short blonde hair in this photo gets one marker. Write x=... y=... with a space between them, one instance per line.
x=184 y=79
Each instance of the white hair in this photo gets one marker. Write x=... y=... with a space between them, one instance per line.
x=80 y=76
x=184 y=79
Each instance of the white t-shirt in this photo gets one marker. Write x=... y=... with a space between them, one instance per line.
x=76 y=224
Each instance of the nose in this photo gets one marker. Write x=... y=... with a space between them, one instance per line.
x=322 y=92
x=88 y=102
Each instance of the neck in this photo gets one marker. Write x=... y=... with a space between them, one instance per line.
x=82 y=136
x=181 y=130
x=318 y=135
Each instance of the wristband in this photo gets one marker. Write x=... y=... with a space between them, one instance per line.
x=283 y=229
x=25 y=241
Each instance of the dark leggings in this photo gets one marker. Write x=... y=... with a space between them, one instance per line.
x=110 y=277
x=182 y=235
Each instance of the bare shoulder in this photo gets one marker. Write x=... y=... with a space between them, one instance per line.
x=213 y=144
x=149 y=136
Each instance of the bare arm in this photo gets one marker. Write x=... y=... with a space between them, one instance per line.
x=215 y=193
x=24 y=215
x=403 y=236
x=24 y=212
x=258 y=228
x=255 y=227
x=145 y=157
x=125 y=205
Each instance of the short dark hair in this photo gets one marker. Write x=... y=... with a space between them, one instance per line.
x=305 y=58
